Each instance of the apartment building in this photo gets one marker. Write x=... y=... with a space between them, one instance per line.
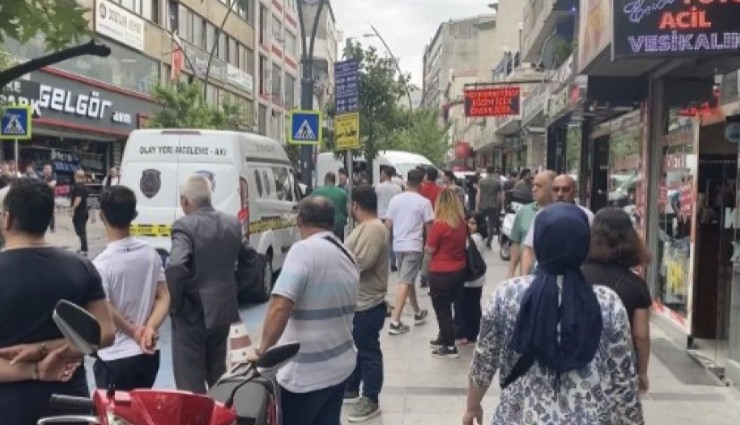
x=277 y=63
x=326 y=51
x=85 y=107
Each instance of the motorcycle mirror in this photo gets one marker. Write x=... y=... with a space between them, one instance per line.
x=276 y=357
x=79 y=327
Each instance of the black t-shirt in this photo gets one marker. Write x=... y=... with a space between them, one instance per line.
x=631 y=288
x=80 y=191
x=32 y=281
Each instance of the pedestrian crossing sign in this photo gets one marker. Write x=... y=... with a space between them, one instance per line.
x=305 y=128
x=16 y=123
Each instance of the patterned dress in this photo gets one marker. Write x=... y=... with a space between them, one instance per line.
x=604 y=392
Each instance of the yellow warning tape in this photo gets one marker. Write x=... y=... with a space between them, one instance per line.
x=165 y=230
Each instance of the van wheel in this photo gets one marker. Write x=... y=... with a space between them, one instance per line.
x=268 y=277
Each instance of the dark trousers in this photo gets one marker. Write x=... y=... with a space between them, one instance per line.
x=129 y=373
x=198 y=355
x=80 y=224
x=321 y=407
x=468 y=313
x=493 y=219
x=443 y=289
x=369 y=369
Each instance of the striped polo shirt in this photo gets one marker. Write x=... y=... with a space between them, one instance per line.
x=323 y=283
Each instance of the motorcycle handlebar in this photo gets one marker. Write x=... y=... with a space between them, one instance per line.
x=72 y=404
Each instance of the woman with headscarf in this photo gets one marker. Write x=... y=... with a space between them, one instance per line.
x=562 y=346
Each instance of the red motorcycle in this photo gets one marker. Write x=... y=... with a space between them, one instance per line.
x=257 y=404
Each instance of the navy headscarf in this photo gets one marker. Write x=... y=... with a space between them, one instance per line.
x=558 y=328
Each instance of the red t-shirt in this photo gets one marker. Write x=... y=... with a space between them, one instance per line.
x=431 y=191
x=449 y=245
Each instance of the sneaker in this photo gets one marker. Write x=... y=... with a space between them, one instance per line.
x=352 y=397
x=435 y=343
x=448 y=352
x=394 y=269
x=364 y=410
x=421 y=317
x=398 y=328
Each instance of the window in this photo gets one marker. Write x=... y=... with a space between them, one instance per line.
x=277 y=29
x=132 y=5
x=283 y=183
x=264 y=75
x=223 y=49
x=172 y=15
x=199 y=32
x=242 y=57
x=277 y=75
x=210 y=36
x=290 y=44
x=289 y=91
x=233 y=52
x=250 y=60
x=262 y=120
x=184 y=26
x=264 y=23
x=150 y=10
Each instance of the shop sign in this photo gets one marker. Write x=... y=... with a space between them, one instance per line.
x=595 y=33
x=492 y=102
x=662 y=28
x=198 y=59
x=53 y=97
x=240 y=79
x=119 y=24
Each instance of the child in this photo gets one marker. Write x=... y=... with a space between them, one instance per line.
x=467 y=304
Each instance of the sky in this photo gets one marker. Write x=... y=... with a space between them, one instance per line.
x=406 y=25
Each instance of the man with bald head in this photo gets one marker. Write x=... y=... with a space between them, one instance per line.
x=563 y=190
x=542 y=194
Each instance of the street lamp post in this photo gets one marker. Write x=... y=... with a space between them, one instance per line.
x=307 y=84
x=395 y=61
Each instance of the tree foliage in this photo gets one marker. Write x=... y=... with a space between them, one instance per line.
x=184 y=107
x=380 y=89
x=62 y=21
x=422 y=135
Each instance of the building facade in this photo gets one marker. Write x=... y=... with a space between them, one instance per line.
x=85 y=107
x=326 y=52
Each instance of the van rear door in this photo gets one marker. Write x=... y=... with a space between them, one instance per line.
x=149 y=168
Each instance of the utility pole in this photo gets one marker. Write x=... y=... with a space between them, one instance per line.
x=307 y=165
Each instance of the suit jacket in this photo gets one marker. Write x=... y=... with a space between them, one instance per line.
x=200 y=275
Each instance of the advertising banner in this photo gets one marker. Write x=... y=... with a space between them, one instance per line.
x=492 y=102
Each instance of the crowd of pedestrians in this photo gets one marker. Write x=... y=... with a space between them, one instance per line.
x=568 y=331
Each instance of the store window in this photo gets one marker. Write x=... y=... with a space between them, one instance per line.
x=676 y=186
x=124 y=68
x=573 y=149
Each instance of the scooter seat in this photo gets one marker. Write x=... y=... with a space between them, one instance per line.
x=250 y=401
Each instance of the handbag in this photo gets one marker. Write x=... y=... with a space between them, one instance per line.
x=475 y=265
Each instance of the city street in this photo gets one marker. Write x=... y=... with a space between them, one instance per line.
x=420 y=389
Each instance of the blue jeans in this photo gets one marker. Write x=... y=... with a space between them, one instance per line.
x=369 y=369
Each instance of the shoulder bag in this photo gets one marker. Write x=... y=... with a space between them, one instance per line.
x=474 y=263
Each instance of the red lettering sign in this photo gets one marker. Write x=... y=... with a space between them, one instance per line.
x=493 y=102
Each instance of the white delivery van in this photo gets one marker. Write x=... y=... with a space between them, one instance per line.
x=251 y=177
x=401 y=161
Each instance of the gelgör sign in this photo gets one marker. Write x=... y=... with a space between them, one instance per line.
x=663 y=28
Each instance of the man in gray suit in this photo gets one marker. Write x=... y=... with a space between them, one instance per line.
x=200 y=276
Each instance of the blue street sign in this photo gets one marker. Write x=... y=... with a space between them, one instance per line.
x=305 y=128
x=347 y=86
x=16 y=123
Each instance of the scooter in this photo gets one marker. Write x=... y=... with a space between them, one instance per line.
x=513 y=201
x=169 y=407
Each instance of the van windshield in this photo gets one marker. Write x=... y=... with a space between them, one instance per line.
x=403 y=169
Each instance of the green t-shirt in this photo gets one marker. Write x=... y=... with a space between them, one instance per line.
x=338 y=198
x=522 y=222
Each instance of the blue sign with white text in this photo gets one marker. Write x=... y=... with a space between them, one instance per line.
x=305 y=128
x=347 y=86
x=16 y=123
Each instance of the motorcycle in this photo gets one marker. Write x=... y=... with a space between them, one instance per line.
x=257 y=404
x=512 y=202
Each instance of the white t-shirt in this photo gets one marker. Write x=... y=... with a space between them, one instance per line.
x=409 y=212
x=386 y=191
x=130 y=269
x=324 y=284
x=529 y=240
